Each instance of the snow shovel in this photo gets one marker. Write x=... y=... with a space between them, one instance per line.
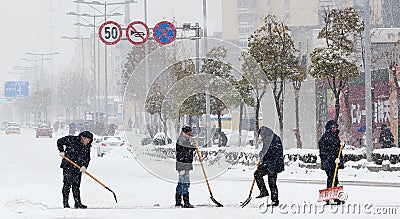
x=205 y=176
x=247 y=201
x=333 y=192
x=91 y=176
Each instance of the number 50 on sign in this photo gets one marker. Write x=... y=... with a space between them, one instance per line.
x=110 y=32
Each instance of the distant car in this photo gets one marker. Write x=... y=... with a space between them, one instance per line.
x=4 y=125
x=107 y=143
x=44 y=130
x=13 y=130
x=13 y=124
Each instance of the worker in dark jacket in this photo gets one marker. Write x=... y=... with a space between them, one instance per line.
x=184 y=158
x=386 y=138
x=271 y=156
x=329 y=147
x=77 y=149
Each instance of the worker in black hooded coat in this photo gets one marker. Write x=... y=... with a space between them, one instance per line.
x=329 y=147
x=77 y=149
x=271 y=164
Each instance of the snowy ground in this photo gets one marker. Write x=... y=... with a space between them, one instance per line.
x=31 y=181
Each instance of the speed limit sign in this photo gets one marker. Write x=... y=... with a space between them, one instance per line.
x=110 y=32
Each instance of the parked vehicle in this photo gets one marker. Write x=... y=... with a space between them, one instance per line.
x=44 y=130
x=13 y=130
x=4 y=125
x=108 y=143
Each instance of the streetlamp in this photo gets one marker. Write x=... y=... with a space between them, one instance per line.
x=86 y=95
x=93 y=25
x=105 y=4
x=35 y=66
x=42 y=74
x=42 y=59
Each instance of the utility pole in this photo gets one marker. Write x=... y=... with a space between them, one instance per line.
x=208 y=107
x=368 y=104
x=105 y=71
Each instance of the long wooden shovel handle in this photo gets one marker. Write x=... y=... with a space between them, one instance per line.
x=254 y=179
x=337 y=166
x=91 y=176
x=202 y=167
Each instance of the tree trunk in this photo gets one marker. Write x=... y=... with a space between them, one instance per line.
x=319 y=100
x=256 y=122
x=240 y=123
x=297 y=130
x=279 y=99
x=219 y=128
x=337 y=105
x=219 y=121
x=164 y=122
x=348 y=111
x=392 y=68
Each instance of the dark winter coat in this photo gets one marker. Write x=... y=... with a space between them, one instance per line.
x=271 y=153
x=386 y=138
x=75 y=151
x=329 y=146
x=184 y=153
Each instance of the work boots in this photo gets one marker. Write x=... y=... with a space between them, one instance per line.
x=178 y=200
x=186 y=203
x=65 y=200
x=263 y=194
x=78 y=203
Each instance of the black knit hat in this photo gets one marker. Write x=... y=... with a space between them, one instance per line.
x=330 y=124
x=186 y=129
x=86 y=134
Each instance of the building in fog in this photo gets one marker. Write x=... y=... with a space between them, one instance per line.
x=240 y=18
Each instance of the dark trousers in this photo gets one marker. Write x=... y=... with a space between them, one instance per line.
x=259 y=176
x=330 y=173
x=71 y=178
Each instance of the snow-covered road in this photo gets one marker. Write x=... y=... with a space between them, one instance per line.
x=31 y=181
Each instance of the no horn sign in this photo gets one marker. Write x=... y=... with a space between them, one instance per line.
x=137 y=32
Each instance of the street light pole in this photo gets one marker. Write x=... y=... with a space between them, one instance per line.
x=105 y=71
x=368 y=104
x=35 y=66
x=105 y=4
x=42 y=75
x=42 y=60
x=96 y=92
x=86 y=91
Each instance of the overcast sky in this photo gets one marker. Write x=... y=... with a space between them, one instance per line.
x=26 y=27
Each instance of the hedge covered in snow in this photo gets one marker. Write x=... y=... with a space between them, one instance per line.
x=249 y=156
